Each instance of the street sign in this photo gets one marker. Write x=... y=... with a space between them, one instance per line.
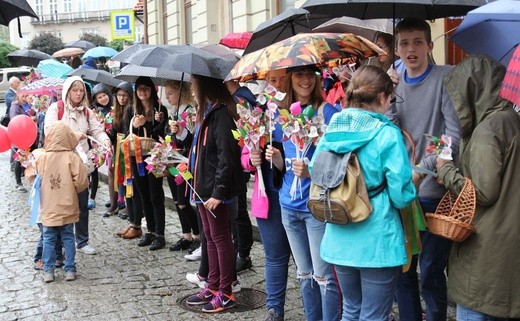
x=122 y=24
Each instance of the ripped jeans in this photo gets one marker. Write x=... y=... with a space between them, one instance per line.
x=317 y=284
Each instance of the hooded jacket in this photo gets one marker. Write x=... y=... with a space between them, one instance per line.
x=90 y=63
x=101 y=88
x=484 y=269
x=379 y=240
x=63 y=176
x=75 y=117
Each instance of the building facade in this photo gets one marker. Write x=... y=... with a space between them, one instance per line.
x=69 y=19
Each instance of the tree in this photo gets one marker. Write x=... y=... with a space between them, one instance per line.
x=5 y=49
x=46 y=42
x=94 y=38
x=119 y=44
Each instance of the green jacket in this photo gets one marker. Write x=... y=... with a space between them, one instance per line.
x=484 y=270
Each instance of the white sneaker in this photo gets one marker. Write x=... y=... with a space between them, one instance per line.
x=195 y=279
x=87 y=249
x=195 y=256
x=235 y=286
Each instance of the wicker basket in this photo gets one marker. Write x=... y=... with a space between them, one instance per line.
x=454 y=214
x=147 y=143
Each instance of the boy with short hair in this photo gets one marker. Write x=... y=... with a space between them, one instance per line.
x=423 y=107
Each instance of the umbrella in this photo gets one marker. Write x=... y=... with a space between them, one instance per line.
x=68 y=52
x=131 y=72
x=27 y=57
x=83 y=44
x=96 y=75
x=374 y=9
x=236 y=40
x=492 y=29
x=365 y=28
x=10 y=9
x=125 y=54
x=99 y=52
x=44 y=86
x=53 y=68
x=289 y=23
x=320 y=49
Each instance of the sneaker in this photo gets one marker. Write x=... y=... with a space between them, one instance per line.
x=195 y=278
x=195 y=244
x=243 y=264
x=70 y=276
x=91 y=204
x=273 y=316
x=195 y=256
x=48 y=277
x=235 y=286
x=181 y=245
x=38 y=265
x=122 y=215
x=146 y=240
x=219 y=303
x=202 y=297
x=59 y=263
x=121 y=205
x=158 y=243
x=21 y=188
x=108 y=204
x=87 y=249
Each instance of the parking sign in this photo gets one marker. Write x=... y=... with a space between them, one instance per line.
x=122 y=23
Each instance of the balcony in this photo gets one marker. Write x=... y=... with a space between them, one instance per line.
x=71 y=17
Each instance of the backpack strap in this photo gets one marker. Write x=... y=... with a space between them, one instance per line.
x=61 y=110
x=378 y=189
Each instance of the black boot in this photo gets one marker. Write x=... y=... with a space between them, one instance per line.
x=158 y=243
x=146 y=240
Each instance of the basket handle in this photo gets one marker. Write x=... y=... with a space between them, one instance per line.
x=132 y=128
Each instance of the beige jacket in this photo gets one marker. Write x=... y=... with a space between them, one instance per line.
x=63 y=176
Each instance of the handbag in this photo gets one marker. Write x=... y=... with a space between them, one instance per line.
x=5 y=120
x=338 y=192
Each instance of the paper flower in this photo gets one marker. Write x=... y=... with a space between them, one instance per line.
x=163 y=156
x=439 y=146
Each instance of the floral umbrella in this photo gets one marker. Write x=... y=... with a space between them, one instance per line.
x=320 y=49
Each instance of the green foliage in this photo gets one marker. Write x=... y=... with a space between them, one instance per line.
x=46 y=42
x=4 y=34
x=119 y=44
x=5 y=49
x=95 y=39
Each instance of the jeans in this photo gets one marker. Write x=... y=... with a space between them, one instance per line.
x=39 y=247
x=305 y=233
x=204 y=265
x=220 y=247
x=368 y=292
x=467 y=314
x=277 y=254
x=432 y=263
x=81 y=227
x=50 y=235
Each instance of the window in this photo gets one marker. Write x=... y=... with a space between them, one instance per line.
x=286 y=4
x=188 y=27
x=38 y=7
x=53 y=8
x=82 y=8
x=95 y=31
x=67 y=6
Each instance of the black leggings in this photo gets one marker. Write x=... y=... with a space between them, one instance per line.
x=187 y=214
x=94 y=182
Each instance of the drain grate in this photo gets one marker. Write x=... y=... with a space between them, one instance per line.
x=247 y=300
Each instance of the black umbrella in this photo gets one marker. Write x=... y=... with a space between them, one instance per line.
x=287 y=24
x=10 y=9
x=96 y=75
x=374 y=9
x=27 y=57
x=83 y=44
x=159 y=76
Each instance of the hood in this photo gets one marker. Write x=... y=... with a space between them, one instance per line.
x=353 y=128
x=90 y=61
x=60 y=137
x=67 y=84
x=127 y=87
x=473 y=86
x=101 y=88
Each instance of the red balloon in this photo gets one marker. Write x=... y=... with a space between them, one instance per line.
x=22 y=131
x=5 y=142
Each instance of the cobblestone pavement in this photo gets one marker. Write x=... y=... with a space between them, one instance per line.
x=121 y=282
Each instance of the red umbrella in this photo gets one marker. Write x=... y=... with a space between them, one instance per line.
x=236 y=40
x=511 y=85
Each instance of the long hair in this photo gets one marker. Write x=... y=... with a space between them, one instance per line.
x=85 y=101
x=211 y=91
x=154 y=98
x=316 y=98
x=366 y=85
x=185 y=91
x=119 y=110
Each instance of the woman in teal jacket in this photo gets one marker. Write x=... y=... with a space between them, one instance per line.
x=368 y=255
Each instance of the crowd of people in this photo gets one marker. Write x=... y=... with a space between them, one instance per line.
x=345 y=272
